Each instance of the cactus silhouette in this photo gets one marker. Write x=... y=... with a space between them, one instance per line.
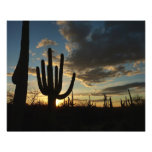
x=20 y=79
x=50 y=88
x=20 y=76
x=68 y=101
x=64 y=103
x=126 y=104
x=71 y=103
x=105 y=100
x=89 y=102
x=121 y=103
x=111 y=106
x=131 y=102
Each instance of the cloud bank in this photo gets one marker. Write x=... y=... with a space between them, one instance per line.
x=93 y=46
x=120 y=89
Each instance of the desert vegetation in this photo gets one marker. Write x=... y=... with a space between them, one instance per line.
x=36 y=116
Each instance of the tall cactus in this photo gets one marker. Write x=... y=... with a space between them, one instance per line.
x=72 y=104
x=126 y=104
x=20 y=76
x=20 y=79
x=50 y=88
x=111 y=106
x=64 y=102
x=121 y=103
x=68 y=101
x=105 y=100
x=131 y=102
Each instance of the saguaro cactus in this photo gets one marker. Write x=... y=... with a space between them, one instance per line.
x=127 y=103
x=121 y=103
x=68 y=101
x=20 y=79
x=105 y=100
x=20 y=76
x=111 y=106
x=64 y=103
x=72 y=104
x=130 y=97
x=50 y=88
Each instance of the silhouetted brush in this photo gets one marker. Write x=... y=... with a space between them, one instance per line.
x=50 y=88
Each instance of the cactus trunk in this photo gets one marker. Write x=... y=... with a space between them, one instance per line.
x=20 y=79
x=51 y=102
x=20 y=76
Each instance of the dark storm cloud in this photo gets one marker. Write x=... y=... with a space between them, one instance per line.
x=120 y=89
x=103 y=44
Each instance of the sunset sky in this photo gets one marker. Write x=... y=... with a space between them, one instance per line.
x=107 y=56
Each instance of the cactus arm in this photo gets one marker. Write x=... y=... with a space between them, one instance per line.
x=56 y=77
x=60 y=74
x=43 y=74
x=50 y=70
x=62 y=96
x=39 y=81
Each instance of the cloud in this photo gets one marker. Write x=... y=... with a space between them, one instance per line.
x=45 y=42
x=102 y=75
x=45 y=54
x=32 y=53
x=9 y=74
x=102 y=47
x=38 y=59
x=118 y=90
x=32 y=71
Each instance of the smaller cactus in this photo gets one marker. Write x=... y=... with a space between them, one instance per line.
x=64 y=104
x=68 y=101
x=111 y=106
x=122 y=103
x=105 y=100
x=131 y=101
x=126 y=101
x=89 y=102
x=71 y=103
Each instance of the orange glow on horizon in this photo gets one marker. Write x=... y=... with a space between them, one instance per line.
x=58 y=102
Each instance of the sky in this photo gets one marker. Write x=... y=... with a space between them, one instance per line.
x=107 y=56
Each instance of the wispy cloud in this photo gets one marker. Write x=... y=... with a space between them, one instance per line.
x=46 y=42
x=121 y=89
x=9 y=74
x=32 y=53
